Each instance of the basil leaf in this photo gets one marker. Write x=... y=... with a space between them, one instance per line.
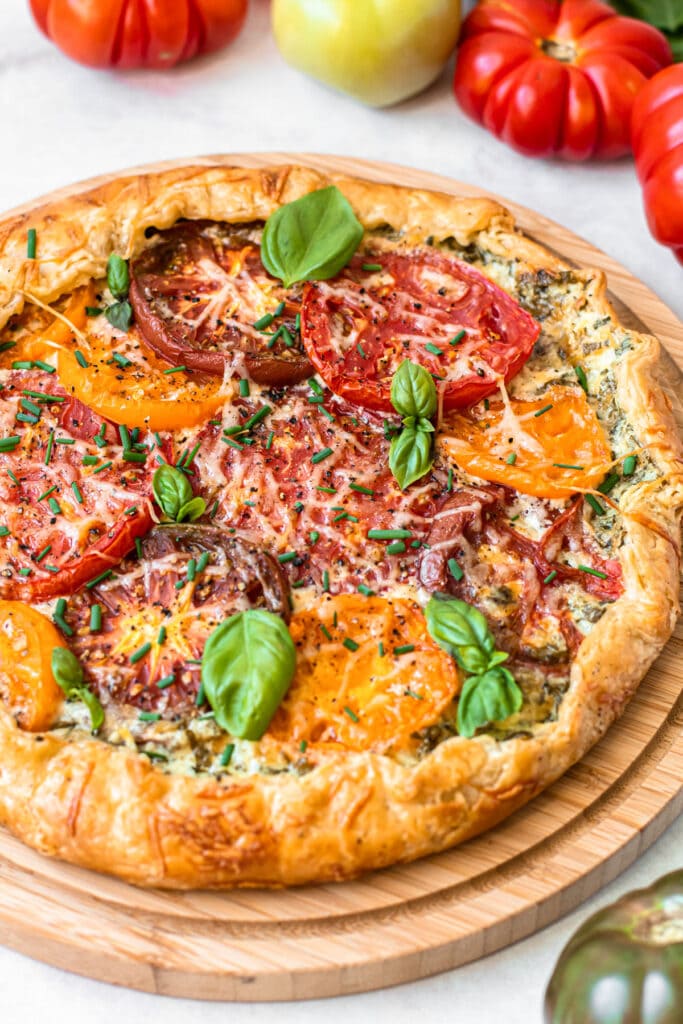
x=490 y=697
x=312 y=238
x=247 y=667
x=120 y=314
x=410 y=456
x=462 y=631
x=664 y=14
x=118 y=278
x=68 y=675
x=172 y=491
x=413 y=392
x=191 y=511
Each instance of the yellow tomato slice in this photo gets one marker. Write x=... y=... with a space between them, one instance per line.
x=27 y=686
x=551 y=447
x=368 y=675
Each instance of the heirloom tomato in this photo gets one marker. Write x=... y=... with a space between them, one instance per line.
x=657 y=138
x=379 y=51
x=138 y=33
x=556 y=79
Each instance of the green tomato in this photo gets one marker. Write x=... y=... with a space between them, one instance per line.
x=379 y=51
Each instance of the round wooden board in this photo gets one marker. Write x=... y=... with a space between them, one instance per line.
x=410 y=921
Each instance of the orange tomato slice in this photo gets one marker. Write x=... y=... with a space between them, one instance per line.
x=551 y=447
x=27 y=686
x=368 y=675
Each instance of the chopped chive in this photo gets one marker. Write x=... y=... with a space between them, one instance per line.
x=25 y=417
x=263 y=322
x=297 y=322
x=415 y=543
x=629 y=467
x=567 y=465
x=64 y=626
x=214 y=509
x=8 y=444
x=324 y=453
x=161 y=635
x=93 y=311
x=455 y=570
x=314 y=386
x=350 y=644
x=48 y=492
x=325 y=631
x=51 y=568
x=138 y=457
x=99 y=579
x=31 y=242
x=269 y=442
x=595 y=505
x=191 y=570
x=44 y=366
x=22 y=364
x=5 y=346
x=200 y=698
x=457 y=337
x=303 y=745
x=44 y=553
x=257 y=417
x=75 y=488
x=326 y=413
x=287 y=337
x=361 y=351
x=380 y=649
x=449 y=481
x=125 y=436
x=81 y=360
x=244 y=387
x=64 y=440
x=511 y=459
x=313 y=536
x=609 y=483
x=30 y=407
x=232 y=443
x=288 y=556
x=90 y=460
x=298 y=583
x=148 y=716
x=411 y=693
x=397 y=547
x=175 y=369
x=226 y=756
x=130 y=511
x=371 y=266
x=165 y=681
x=48 y=450
x=203 y=561
x=551 y=576
x=326 y=490
x=96 y=618
x=12 y=477
x=592 y=572
x=140 y=653
x=434 y=349
x=362 y=490
x=388 y=534
x=298 y=506
x=105 y=465
x=121 y=360
x=352 y=715
x=60 y=608
x=326 y=581
x=546 y=408
x=138 y=547
x=24 y=572
x=404 y=649
x=581 y=377
x=365 y=591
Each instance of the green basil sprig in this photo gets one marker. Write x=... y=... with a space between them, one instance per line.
x=490 y=693
x=413 y=395
x=312 y=238
x=68 y=675
x=247 y=667
x=175 y=497
x=119 y=313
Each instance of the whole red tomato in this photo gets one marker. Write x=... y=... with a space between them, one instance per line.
x=556 y=78
x=138 y=33
x=657 y=137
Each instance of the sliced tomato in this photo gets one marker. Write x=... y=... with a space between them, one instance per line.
x=158 y=610
x=63 y=521
x=27 y=686
x=550 y=447
x=197 y=293
x=368 y=676
x=425 y=306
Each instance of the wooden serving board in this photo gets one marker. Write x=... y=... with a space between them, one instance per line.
x=407 y=922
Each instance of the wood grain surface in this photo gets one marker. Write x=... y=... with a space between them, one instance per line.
x=409 y=921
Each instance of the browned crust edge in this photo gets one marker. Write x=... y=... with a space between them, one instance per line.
x=109 y=809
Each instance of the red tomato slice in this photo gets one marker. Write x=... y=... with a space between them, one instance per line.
x=359 y=327
x=153 y=632
x=63 y=522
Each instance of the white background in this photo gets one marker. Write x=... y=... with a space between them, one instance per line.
x=59 y=123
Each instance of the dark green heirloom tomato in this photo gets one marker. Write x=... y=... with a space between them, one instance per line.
x=625 y=964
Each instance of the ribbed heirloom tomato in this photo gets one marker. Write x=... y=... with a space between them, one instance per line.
x=657 y=137
x=138 y=33
x=556 y=79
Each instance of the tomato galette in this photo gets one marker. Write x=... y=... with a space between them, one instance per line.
x=336 y=521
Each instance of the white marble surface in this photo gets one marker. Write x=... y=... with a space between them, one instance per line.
x=61 y=123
